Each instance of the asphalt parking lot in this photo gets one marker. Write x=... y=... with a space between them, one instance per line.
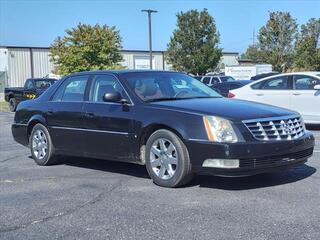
x=94 y=199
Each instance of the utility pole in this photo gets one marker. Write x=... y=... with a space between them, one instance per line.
x=149 y=11
x=254 y=37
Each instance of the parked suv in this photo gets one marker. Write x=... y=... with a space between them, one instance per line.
x=212 y=80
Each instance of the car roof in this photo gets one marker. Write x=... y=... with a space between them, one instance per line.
x=35 y=79
x=122 y=71
x=314 y=73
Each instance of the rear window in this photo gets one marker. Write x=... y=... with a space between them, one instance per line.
x=44 y=83
x=227 y=79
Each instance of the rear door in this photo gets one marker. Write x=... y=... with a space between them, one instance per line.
x=108 y=125
x=65 y=115
x=275 y=91
x=305 y=99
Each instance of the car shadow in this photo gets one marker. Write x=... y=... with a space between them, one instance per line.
x=106 y=166
x=257 y=181
x=225 y=183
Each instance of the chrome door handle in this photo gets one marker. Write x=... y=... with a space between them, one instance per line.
x=296 y=94
x=260 y=94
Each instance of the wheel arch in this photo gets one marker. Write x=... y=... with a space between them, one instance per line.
x=148 y=131
x=33 y=121
x=10 y=95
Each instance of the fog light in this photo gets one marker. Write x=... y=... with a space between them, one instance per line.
x=221 y=163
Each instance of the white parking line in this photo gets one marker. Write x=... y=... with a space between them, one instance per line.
x=317 y=151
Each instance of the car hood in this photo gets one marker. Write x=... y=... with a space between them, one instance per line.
x=232 y=109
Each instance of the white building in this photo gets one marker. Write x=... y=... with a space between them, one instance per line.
x=19 y=63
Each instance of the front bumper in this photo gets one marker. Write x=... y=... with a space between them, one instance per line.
x=254 y=157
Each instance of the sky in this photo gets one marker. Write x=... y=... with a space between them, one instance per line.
x=38 y=22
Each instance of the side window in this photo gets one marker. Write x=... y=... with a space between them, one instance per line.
x=29 y=85
x=227 y=79
x=206 y=80
x=215 y=80
x=305 y=82
x=72 y=90
x=103 y=84
x=257 y=85
x=278 y=83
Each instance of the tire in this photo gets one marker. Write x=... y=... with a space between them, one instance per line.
x=167 y=159
x=41 y=147
x=12 y=104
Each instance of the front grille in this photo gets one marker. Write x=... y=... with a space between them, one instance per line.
x=276 y=129
x=276 y=159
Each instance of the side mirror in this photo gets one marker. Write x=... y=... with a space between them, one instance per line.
x=316 y=87
x=114 y=97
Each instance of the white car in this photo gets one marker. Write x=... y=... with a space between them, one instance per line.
x=296 y=91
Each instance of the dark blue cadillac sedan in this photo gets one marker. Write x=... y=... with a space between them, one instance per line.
x=168 y=121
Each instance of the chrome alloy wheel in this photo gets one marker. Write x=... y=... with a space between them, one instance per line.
x=39 y=144
x=163 y=158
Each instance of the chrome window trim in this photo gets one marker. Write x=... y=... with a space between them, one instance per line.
x=67 y=101
x=90 y=130
x=111 y=103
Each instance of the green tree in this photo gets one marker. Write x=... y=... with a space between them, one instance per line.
x=193 y=48
x=307 y=51
x=276 y=41
x=87 y=47
x=254 y=53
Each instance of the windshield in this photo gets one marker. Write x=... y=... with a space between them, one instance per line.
x=157 y=86
x=227 y=79
x=44 y=83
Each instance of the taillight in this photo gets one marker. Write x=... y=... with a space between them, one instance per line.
x=231 y=95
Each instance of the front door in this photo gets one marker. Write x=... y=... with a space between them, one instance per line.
x=65 y=116
x=305 y=99
x=109 y=125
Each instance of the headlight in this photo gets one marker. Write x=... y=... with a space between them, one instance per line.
x=219 y=129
